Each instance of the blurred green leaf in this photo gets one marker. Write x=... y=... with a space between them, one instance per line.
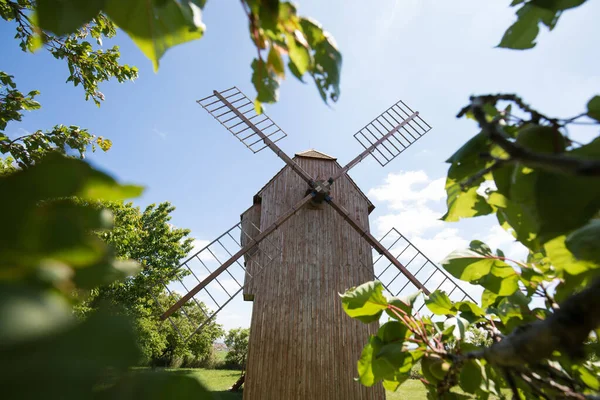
x=63 y=17
x=522 y=34
x=563 y=260
x=156 y=26
x=472 y=376
x=593 y=108
x=69 y=364
x=27 y=314
x=265 y=82
x=583 y=242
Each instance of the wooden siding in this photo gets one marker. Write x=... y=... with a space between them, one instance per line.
x=250 y=229
x=302 y=344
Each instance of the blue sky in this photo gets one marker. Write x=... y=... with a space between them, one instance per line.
x=431 y=54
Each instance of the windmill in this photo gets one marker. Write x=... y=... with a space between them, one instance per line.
x=305 y=239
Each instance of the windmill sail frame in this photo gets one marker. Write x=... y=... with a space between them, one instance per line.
x=385 y=137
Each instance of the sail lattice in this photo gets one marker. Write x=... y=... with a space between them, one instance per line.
x=217 y=294
x=432 y=276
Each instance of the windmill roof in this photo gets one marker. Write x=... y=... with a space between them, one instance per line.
x=312 y=153
x=315 y=154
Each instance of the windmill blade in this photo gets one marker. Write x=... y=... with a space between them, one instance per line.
x=420 y=266
x=388 y=135
x=218 y=293
x=236 y=112
x=375 y=244
x=252 y=242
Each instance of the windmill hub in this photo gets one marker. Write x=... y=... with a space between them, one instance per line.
x=320 y=191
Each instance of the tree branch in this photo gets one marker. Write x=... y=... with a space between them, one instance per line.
x=565 y=330
x=555 y=162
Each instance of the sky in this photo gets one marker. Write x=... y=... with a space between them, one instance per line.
x=432 y=54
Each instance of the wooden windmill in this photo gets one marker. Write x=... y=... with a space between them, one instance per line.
x=304 y=240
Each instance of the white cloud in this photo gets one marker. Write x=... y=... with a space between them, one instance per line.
x=441 y=244
x=415 y=203
x=408 y=189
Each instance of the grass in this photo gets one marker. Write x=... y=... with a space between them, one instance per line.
x=218 y=381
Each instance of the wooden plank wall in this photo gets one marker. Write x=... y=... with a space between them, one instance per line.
x=302 y=344
x=250 y=229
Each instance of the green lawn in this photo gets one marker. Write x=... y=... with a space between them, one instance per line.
x=218 y=381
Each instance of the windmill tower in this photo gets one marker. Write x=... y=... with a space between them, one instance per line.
x=305 y=239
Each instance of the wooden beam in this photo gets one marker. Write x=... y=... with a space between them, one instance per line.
x=375 y=243
x=371 y=148
x=280 y=153
x=245 y=249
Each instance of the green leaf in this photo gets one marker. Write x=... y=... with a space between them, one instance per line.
x=365 y=302
x=470 y=307
x=439 y=303
x=466 y=162
x=299 y=57
x=593 y=107
x=472 y=376
x=265 y=82
x=555 y=193
x=502 y=280
x=459 y=324
x=28 y=314
x=77 y=179
x=156 y=26
x=468 y=154
x=563 y=260
x=393 y=331
x=519 y=221
x=587 y=377
x=275 y=62
x=488 y=298
x=366 y=362
x=508 y=309
x=465 y=204
x=327 y=60
x=63 y=17
x=583 y=242
x=522 y=34
x=404 y=303
x=478 y=265
x=397 y=356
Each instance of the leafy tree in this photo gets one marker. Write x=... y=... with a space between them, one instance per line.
x=544 y=189
x=236 y=341
x=88 y=67
x=27 y=149
x=148 y=238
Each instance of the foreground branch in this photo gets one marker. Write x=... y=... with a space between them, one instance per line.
x=565 y=330
x=556 y=162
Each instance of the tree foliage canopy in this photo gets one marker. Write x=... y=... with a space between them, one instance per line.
x=236 y=341
x=541 y=313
